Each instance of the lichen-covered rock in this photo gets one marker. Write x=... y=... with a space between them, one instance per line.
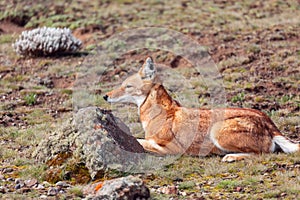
x=46 y=41
x=96 y=138
x=129 y=187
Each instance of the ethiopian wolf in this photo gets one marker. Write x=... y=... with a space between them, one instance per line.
x=173 y=129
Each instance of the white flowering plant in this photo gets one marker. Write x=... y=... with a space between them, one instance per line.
x=46 y=41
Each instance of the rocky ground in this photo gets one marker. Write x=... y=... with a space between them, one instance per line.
x=255 y=45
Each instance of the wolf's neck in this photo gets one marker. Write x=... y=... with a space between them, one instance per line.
x=157 y=101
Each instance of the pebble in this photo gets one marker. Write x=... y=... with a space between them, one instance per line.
x=31 y=182
x=18 y=186
x=182 y=193
x=18 y=180
x=43 y=196
x=62 y=184
x=239 y=189
x=8 y=170
x=283 y=194
x=10 y=179
x=61 y=192
x=52 y=191
x=40 y=186
x=46 y=184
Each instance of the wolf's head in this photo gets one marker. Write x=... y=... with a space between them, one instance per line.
x=135 y=88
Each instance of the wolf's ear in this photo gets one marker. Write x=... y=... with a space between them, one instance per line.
x=148 y=70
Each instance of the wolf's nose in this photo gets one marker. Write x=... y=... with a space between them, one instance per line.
x=105 y=97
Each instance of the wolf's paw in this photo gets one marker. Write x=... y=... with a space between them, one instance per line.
x=235 y=157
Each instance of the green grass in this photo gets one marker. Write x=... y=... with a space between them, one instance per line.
x=227 y=184
x=6 y=39
x=250 y=175
x=77 y=191
x=186 y=185
x=240 y=97
x=30 y=99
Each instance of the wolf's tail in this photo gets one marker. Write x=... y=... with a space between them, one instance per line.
x=284 y=144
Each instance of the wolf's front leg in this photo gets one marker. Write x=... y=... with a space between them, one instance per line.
x=152 y=146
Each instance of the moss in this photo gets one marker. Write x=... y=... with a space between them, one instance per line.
x=59 y=159
x=187 y=185
x=79 y=174
x=227 y=184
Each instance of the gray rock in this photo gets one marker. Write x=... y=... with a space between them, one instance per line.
x=100 y=140
x=129 y=187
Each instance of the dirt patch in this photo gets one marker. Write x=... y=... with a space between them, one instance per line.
x=7 y=27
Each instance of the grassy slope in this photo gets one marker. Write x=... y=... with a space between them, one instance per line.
x=253 y=43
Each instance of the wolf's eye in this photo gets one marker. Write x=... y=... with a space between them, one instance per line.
x=129 y=86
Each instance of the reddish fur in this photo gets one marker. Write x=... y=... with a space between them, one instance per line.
x=237 y=124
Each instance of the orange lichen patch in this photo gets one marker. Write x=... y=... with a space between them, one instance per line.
x=99 y=186
x=98 y=126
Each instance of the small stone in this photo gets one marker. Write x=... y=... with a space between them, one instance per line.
x=18 y=186
x=61 y=192
x=155 y=186
x=52 y=191
x=10 y=179
x=62 y=184
x=40 y=186
x=46 y=184
x=160 y=190
x=18 y=180
x=239 y=189
x=43 y=196
x=283 y=194
x=183 y=193
x=8 y=170
x=152 y=190
x=31 y=182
